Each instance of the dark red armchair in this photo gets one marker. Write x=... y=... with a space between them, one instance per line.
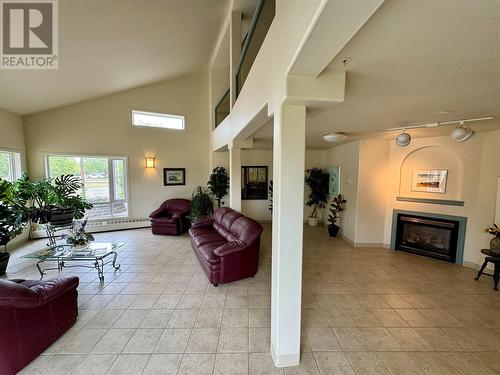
x=171 y=217
x=33 y=315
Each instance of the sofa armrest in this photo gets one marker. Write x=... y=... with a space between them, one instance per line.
x=230 y=248
x=31 y=294
x=204 y=222
x=157 y=213
x=179 y=214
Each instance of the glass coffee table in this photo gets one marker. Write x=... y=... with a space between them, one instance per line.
x=66 y=255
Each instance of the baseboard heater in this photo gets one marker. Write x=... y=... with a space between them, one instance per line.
x=104 y=226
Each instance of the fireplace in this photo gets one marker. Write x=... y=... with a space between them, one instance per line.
x=434 y=236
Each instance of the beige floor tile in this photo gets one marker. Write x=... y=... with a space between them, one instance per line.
x=467 y=339
x=173 y=341
x=95 y=364
x=156 y=319
x=163 y=364
x=259 y=317
x=203 y=340
x=237 y=300
x=410 y=339
x=262 y=364
x=322 y=339
x=182 y=319
x=351 y=339
x=233 y=340
x=439 y=340
x=130 y=319
x=83 y=341
x=468 y=363
x=389 y=318
x=259 y=339
x=440 y=318
x=434 y=364
x=129 y=364
x=113 y=341
x=209 y=319
x=190 y=301
x=121 y=301
x=364 y=318
x=365 y=363
x=314 y=318
x=414 y=318
x=396 y=301
x=167 y=301
x=307 y=366
x=339 y=318
x=143 y=341
x=231 y=364
x=197 y=364
x=143 y=302
x=235 y=317
x=104 y=319
x=61 y=364
x=333 y=363
x=213 y=302
x=380 y=339
x=401 y=363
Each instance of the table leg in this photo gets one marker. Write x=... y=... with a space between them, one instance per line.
x=40 y=269
x=481 y=270
x=496 y=275
x=100 y=270
x=115 y=255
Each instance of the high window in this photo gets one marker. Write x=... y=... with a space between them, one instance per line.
x=104 y=181
x=157 y=120
x=10 y=165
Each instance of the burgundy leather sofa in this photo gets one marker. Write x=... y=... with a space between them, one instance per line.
x=227 y=245
x=171 y=217
x=33 y=314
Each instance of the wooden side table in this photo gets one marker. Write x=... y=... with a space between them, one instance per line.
x=492 y=256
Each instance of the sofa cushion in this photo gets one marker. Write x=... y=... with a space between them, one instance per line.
x=207 y=251
x=193 y=232
x=163 y=220
x=208 y=238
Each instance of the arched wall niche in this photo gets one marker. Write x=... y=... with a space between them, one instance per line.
x=432 y=157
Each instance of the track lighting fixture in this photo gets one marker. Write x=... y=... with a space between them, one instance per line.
x=403 y=139
x=462 y=133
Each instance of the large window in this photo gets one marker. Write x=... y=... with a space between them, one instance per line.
x=157 y=120
x=104 y=181
x=10 y=165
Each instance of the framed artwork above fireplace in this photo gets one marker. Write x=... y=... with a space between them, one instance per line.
x=429 y=180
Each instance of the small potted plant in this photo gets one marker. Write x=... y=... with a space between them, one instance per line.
x=495 y=241
x=201 y=204
x=336 y=207
x=218 y=184
x=78 y=237
x=317 y=180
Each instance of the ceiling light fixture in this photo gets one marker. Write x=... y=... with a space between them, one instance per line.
x=462 y=133
x=434 y=124
x=334 y=137
x=344 y=60
x=403 y=139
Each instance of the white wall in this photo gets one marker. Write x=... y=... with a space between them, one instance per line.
x=347 y=156
x=12 y=134
x=102 y=126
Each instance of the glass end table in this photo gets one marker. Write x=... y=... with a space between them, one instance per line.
x=95 y=252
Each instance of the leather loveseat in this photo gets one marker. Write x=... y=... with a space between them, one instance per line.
x=171 y=217
x=33 y=315
x=227 y=245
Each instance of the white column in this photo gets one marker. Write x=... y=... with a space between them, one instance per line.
x=235 y=178
x=288 y=221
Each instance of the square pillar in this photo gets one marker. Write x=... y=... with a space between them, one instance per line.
x=235 y=178
x=288 y=221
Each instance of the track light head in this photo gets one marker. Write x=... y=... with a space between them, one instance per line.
x=403 y=139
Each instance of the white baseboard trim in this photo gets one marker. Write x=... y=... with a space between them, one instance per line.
x=476 y=266
x=285 y=360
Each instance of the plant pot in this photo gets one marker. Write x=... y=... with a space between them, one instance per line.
x=313 y=221
x=4 y=261
x=495 y=243
x=333 y=230
x=61 y=216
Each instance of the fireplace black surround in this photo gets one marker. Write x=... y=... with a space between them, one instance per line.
x=435 y=236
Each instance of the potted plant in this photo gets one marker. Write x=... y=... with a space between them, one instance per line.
x=218 y=184
x=317 y=180
x=77 y=236
x=201 y=204
x=495 y=241
x=336 y=207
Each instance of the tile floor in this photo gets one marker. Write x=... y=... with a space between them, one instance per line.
x=365 y=311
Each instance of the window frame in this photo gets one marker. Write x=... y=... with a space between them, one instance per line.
x=159 y=114
x=111 y=189
x=15 y=162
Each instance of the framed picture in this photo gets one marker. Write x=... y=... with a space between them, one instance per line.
x=174 y=176
x=254 y=182
x=429 y=180
x=334 y=184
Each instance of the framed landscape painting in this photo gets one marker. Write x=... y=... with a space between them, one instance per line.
x=174 y=176
x=429 y=180
x=334 y=184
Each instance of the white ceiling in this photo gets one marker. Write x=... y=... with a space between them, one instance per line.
x=410 y=61
x=113 y=45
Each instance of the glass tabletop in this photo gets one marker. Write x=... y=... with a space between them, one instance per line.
x=63 y=251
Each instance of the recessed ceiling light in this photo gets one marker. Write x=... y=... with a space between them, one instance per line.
x=344 y=60
x=335 y=137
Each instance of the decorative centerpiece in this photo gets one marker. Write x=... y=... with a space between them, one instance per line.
x=78 y=237
x=495 y=241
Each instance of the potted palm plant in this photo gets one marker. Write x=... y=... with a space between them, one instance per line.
x=317 y=180
x=218 y=184
x=201 y=204
x=336 y=207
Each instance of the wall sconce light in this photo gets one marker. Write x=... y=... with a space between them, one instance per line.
x=150 y=162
